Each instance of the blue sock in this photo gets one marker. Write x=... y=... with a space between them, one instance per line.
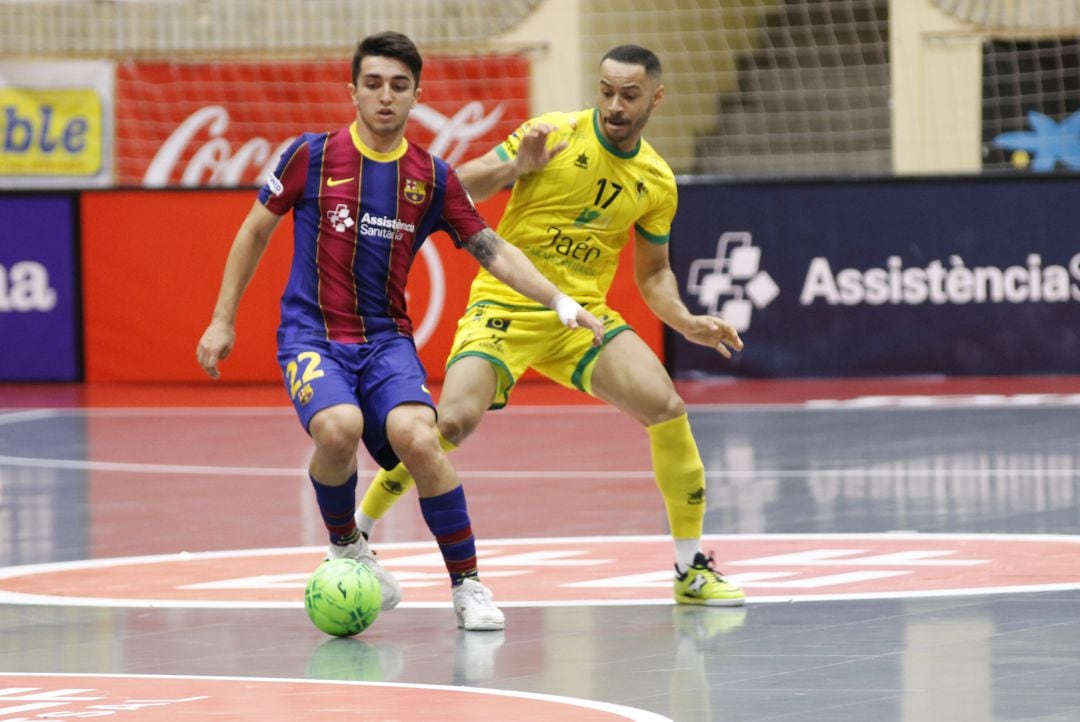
x=337 y=504
x=448 y=520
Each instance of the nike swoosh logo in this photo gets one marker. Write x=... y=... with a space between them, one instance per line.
x=335 y=182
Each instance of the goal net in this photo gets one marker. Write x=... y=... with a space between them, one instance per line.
x=207 y=92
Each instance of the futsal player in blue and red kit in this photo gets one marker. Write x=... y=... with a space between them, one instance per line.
x=364 y=200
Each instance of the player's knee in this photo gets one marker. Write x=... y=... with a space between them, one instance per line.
x=456 y=424
x=414 y=442
x=337 y=432
x=675 y=406
x=670 y=407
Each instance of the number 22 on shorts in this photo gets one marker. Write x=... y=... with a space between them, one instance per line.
x=310 y=361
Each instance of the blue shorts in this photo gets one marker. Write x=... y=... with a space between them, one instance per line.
x=376 y=376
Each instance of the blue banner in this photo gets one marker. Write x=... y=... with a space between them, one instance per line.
x=889 y=277
x=38 y=290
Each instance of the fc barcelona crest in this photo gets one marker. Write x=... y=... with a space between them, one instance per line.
x=415 y=191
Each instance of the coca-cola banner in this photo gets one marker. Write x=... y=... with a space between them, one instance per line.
x=225 y=124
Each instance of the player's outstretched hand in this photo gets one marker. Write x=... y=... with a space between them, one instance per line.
x=715 y=333
x=215 y=345
x=587 y=320
x=574 y=316
x=533 y=151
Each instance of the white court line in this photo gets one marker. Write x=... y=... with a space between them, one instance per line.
x=895 y=402
x=947 y=401
x=285 y=412
x=630 y=713
x=71 y=464
x=14 y=417
x=857 y=473
x=754 y=597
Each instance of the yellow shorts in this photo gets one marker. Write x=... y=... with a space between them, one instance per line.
x=515 y=338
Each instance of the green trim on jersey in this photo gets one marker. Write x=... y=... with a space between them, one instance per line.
x=607 y=144
x=659 y=240
x=505 y=377
x=578 y=378
x=510 y=306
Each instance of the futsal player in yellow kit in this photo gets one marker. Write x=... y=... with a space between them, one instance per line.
x=581 y=182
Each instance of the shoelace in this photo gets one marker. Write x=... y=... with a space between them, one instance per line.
x=479 y=593
x=365 y=551
x=710 y=569
x=361 y=554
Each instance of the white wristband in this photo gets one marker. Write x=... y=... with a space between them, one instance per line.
x=567 y=308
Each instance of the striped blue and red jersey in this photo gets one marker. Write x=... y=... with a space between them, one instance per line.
x=360 y=217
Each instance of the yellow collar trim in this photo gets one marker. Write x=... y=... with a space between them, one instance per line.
x=374 y=154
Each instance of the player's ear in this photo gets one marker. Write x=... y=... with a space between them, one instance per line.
x=658 y=95
x=416 y=96
x=352 y=92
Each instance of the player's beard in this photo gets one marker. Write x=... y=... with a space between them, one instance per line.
x=621 y=133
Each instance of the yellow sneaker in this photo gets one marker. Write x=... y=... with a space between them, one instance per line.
x=702 y=584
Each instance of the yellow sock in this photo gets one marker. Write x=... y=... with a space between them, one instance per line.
x=389 y=486
x=680 y=474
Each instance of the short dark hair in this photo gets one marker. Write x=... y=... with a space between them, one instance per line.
x=635 y=55
x=389 y=44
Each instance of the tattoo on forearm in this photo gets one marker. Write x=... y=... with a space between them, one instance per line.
x=483 y=246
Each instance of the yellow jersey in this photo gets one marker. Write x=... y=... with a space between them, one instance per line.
x=573 y=217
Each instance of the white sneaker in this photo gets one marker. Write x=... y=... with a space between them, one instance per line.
x=474 y=609
x=361 y=552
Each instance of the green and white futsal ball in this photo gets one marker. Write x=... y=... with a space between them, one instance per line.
x=343 y=597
